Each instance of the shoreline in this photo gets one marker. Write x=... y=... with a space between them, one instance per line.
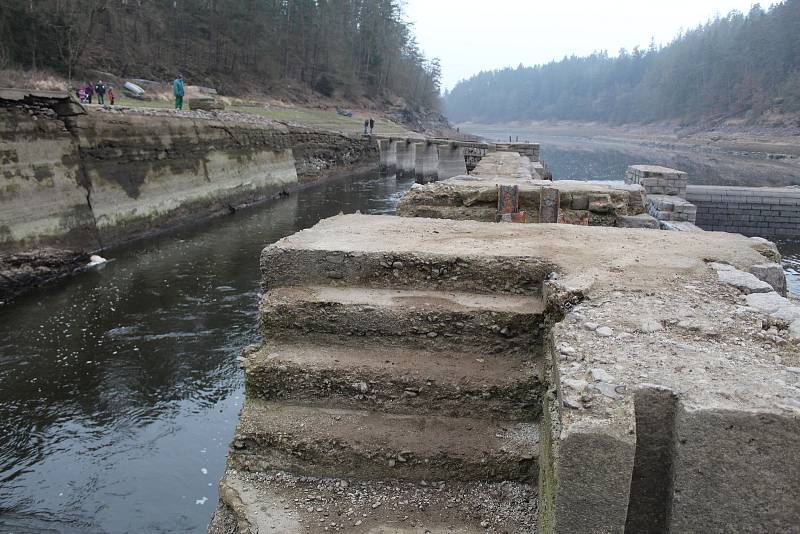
x=728 y=155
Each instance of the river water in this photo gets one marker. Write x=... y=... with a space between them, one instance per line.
x=119 y=389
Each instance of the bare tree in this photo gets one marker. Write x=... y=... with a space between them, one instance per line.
x=72 y=23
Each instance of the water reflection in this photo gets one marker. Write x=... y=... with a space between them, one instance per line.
x=119 y=390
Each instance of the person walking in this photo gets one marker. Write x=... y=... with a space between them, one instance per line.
x=371 y=125
x=110 y=94
x=89 y=92
x=100 y=89
x=178 y=91
x=366 y=125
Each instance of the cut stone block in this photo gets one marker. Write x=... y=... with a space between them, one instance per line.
x=745 y=282
x=642 y=220
x=771 y=273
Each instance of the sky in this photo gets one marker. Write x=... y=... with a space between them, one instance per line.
x=473 y=35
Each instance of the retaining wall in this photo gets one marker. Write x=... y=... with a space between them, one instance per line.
x=78 y=180
x=752 y=211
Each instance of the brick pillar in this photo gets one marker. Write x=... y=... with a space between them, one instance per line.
x=548 y=205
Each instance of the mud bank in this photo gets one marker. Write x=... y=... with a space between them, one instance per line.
x=75 y=180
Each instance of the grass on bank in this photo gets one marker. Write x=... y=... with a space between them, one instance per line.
x=315 y=118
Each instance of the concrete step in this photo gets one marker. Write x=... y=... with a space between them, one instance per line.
x=278 y=502
x=422 y=260
x=370 y=445
x=493 y=323
x=396 y=380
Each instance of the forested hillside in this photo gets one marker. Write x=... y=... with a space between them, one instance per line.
x=352 y=47
x=737 y=65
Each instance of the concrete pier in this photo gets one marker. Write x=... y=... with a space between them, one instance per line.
x=426 y=162
x=612 y=385
x=405 y=154
x=451 y=161
x=388 y=156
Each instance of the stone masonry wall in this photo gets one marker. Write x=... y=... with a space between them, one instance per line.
x=73 y=181
x=77 y=180
x=752 y=211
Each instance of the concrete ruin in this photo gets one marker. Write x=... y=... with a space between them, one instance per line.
x=430 y=375
x=477 y=196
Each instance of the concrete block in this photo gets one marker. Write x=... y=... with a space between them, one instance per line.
x=637 y=221
x=719 y=453
x=388 y=155
x=451 y=162
x=426 y=163
x=406 y=158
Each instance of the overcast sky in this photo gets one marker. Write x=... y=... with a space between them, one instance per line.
x=473 y=35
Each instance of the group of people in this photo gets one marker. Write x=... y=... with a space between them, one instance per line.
x=369 y=125
x=89 y=91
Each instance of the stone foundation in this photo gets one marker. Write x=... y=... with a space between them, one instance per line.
x=663 y=403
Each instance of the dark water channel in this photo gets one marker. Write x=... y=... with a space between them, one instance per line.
x=119 y=390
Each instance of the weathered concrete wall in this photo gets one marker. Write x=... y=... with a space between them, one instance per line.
x=82 y=180
x=426 y=162
x=753 y=211
x=73 y=181
x=388 y=155
x=143 y=172
x=451 y=161
x=40 y=192
x=406 y=159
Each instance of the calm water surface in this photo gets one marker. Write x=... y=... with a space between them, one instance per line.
x=119 y=390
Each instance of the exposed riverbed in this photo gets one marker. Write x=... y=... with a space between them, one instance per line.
x=119 y=390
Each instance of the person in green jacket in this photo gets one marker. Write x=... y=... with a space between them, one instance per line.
x=177 y=90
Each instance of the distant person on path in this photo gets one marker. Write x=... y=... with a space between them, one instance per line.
x=100 y=89
x=89 y=92
x=366 y=125
x=371 y=125
x=177 y=90
x=82 y=95
x=111 y=94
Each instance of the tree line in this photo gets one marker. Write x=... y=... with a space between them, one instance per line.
x=353 y=47
x=737 y=65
